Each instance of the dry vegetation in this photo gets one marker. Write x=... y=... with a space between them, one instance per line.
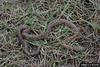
x=65 y=49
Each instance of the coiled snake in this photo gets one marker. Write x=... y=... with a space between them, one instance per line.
x=25 y=32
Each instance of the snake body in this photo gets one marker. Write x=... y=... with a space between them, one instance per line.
x=24 y=43
x=65 y=22
x=24 y=33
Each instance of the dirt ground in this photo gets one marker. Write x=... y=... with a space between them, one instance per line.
x=62 y=47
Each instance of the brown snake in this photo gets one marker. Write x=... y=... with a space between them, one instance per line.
x=24 y=33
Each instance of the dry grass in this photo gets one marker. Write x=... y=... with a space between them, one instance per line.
x=37 y=14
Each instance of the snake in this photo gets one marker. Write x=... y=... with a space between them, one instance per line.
x=25 y=33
